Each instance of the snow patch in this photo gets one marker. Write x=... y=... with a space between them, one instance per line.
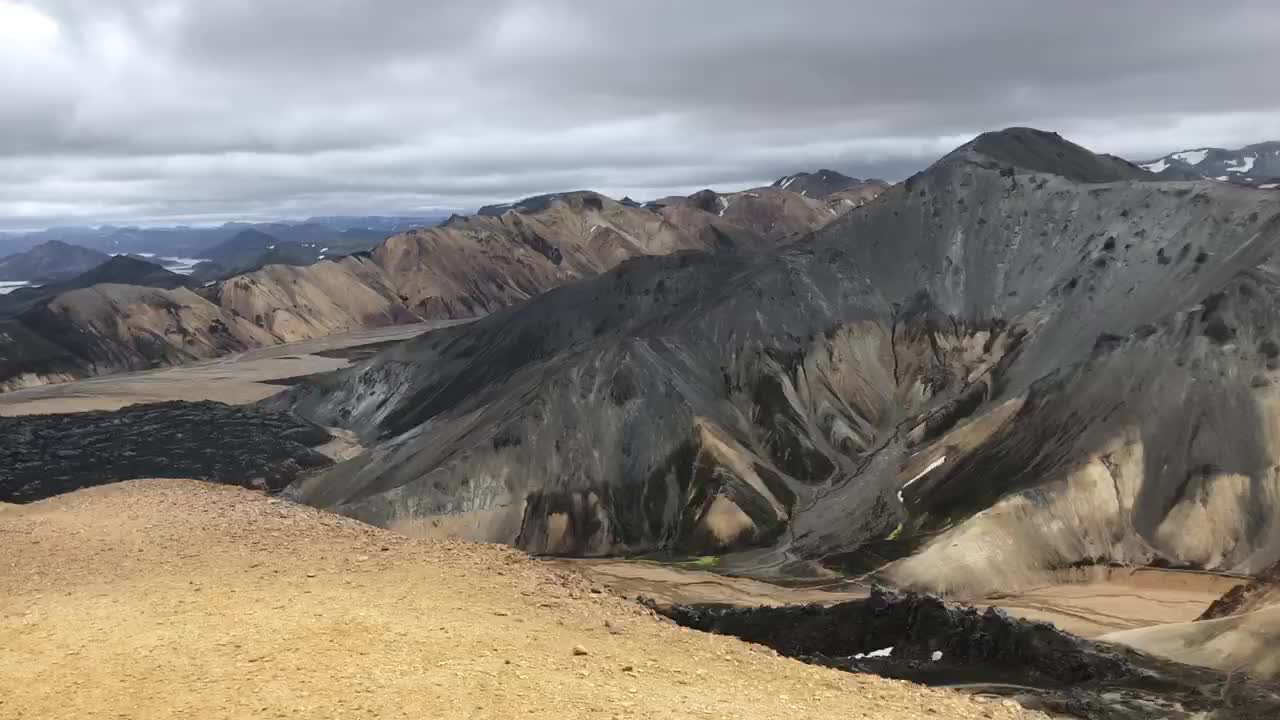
x=786 y=182
x=1269 y=186
x=724 y=205
x=882 y=652
x=1191 y=157
x=1222 y=178
x=1244 y=166
x=1157 y=166
x=936 y=656
x=929 y=468
x=8 y=286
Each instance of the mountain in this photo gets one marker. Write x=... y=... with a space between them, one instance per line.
x=268 y=244
x=240 y=249
x=824 y=183
x=49 y=261
x=1026 y=358
x=464 y=268
x=1255 y=165
x=118 y=270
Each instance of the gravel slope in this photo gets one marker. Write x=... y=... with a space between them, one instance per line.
x=167 y=598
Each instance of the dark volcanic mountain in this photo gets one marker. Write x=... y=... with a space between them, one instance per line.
x=49 y=262
x=1255 y=165
x=1026 y=332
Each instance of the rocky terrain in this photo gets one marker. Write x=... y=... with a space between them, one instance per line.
x=46 y=455
x=924 y=388
x=49 y=262
x=467 y=267
x=1255 y=165
x=922 y=639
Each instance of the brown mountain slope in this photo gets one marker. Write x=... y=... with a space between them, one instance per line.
x=468 y=267
x=173 y=598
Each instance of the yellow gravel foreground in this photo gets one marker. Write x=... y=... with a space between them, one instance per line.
x=175 y=598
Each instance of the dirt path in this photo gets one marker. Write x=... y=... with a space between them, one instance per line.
x=168 y=598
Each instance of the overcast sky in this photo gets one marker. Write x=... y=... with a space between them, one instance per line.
x=178 y=110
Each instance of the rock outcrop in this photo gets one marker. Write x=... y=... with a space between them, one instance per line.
x=920 y=638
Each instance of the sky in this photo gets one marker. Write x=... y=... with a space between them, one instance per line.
x=164 y=111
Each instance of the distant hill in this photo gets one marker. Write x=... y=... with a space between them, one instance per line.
x=241 y=249
x=184 y=241
x=279 y=244
x=117 y=270
x=1255 y=165
x=49 y=262
x=822 y=183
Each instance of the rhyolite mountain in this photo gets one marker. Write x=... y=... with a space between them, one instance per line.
x=49 y=262
x=1257 y=165
x=464 y=268
x=1027 y=357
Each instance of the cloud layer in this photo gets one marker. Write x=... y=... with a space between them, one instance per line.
x=179 y=110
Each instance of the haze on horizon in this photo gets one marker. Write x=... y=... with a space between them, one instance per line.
x=173 y=111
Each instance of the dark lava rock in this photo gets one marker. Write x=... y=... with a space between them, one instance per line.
x=1039 y=665
x=46 y=455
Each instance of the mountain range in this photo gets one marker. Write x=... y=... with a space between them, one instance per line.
x=191 y=241
x=1255 y=165
x=463 y=268
x=924 y=387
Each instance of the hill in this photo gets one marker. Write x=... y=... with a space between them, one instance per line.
x=288 y=610
x=49 y=262
x=824 y=183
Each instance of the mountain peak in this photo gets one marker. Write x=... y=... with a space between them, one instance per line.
x=818 y=184
x=1048 y=152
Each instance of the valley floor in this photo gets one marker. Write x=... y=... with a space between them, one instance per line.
x=236 y=379
x=175 y=598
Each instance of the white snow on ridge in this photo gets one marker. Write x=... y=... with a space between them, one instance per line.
x=1157 y=166
x=1191 y=157
x=8 y=286
x=786 y=183
x=1246 y=164
x=1269 y=186
x=883 y=652
x=1222 y=178
x=929 y=468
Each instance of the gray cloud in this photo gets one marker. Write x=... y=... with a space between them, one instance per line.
x=165 y=110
